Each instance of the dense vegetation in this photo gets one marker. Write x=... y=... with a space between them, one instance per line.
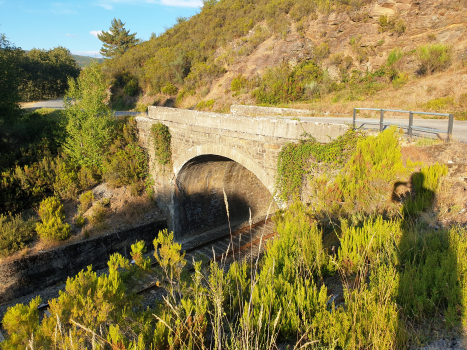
x=397 y=276
x=49 y=155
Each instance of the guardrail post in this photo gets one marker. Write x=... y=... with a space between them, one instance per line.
x=410 y=124
x=450 y=126
x=354 y=117
x=381 y=119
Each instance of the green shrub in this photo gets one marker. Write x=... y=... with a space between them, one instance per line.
x=86 y=200
x=205 y=104
x=169 y=89
x=98 y=214
x=434 y=58
x=127 y=161
x=283 y=84
x=400 y=80
x=322 y=51
x=66 y=183
x=434 y=278
x=394 y=56
x=440 y=103
x=52 y=215
x=20 y=321
x=80 y=221
x=15 y=233
x=391 y=25
x=131 y=88
x=238 y=83
x=126 y=166
x=137 y=254
x=162 y=144
x=374 y=243
x=366 y=181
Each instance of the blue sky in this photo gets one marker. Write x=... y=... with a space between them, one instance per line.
x=45 y=24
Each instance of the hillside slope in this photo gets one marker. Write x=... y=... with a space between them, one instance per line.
x=335 y=54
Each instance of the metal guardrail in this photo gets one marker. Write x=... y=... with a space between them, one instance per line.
x=410 y=127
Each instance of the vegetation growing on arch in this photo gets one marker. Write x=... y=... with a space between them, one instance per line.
x=162 y=143
x=296 y=160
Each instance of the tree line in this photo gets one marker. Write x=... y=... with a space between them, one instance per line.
x=34 y=75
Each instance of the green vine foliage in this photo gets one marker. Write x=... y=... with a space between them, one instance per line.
x=162 y=146
x=295 y=160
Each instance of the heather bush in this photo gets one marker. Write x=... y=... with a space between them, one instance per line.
x=137 y=254
x=15 y=233
x=127 y=162
x=86 y=200
x=169 y=89
x=434 y=58
x=52 y=215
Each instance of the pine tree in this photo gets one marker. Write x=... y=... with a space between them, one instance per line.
x=117 y=40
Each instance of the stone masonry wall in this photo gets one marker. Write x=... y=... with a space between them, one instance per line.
x=42 y=269
x=254 y=142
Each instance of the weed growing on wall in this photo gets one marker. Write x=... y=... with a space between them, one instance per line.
x=295 y=160
x=162 y=143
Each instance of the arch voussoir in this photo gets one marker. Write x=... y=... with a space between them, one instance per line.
x=216 y=149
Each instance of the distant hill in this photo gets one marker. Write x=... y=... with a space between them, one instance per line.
x=83 y=61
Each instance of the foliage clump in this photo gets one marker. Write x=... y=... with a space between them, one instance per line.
x=162 y=143
x=434 y=58
x=296 y=160
x=127 y=162
x=15 y=233
x=90 y=121
x=52 y=215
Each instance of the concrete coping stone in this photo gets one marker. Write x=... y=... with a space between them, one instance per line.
x=271 y=126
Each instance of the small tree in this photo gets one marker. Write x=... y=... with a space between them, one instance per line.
x=90 y=121
x=117 y=40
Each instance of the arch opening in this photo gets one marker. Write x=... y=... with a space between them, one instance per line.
x=199 y=200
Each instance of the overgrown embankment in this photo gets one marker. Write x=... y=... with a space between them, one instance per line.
x=51 y=160
x=375 y=276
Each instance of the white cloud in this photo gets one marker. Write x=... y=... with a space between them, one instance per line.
x=71 y=35
x=95 y=32
x=106 y=6
x=94 y=54
x=182 y=3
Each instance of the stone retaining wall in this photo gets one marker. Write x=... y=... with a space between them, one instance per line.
x=43 y=269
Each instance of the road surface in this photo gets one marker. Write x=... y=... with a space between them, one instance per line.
x=459 y=131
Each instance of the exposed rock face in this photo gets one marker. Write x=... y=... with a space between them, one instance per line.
x=425 y=22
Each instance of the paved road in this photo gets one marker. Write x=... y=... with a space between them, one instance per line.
x=57 y=104
x=459 y=133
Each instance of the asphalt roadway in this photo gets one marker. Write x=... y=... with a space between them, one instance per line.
x=459 y=131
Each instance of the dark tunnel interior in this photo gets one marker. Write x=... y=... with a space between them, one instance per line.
x=199 y=198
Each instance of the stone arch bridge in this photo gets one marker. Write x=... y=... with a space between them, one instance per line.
x=213 y=153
